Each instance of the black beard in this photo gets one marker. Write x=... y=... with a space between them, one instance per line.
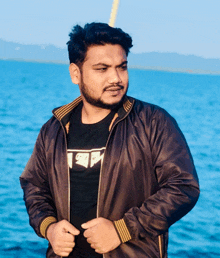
x=98 y=102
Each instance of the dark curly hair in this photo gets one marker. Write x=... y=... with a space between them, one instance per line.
x=94 y=34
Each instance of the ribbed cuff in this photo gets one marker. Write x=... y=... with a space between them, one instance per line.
x=122 y=230
x=45 y=224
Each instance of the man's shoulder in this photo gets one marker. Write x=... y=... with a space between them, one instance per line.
x=51 y=125
x=150 y=109
x=152 y=116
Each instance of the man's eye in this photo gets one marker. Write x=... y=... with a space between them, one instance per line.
x=124 y=67
x=101 y=69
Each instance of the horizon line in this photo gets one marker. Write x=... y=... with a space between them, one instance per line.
x=138 y=67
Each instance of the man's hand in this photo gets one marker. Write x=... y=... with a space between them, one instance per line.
x=101 y=235
x=62 y=236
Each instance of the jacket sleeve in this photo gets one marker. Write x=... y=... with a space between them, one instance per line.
x=37 y=195
x=178 y=187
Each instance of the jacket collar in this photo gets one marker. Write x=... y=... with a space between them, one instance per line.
x=63 y=113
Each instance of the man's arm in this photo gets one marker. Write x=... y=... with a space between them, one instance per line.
x=40 y=207
x=37 y=196
x=177 y=180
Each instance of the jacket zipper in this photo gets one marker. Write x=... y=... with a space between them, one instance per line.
x=67 y=174
x=160 y=242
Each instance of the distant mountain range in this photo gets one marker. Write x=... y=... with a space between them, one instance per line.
x=152 y=60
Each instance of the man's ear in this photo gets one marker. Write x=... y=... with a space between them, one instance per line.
x=75 y=73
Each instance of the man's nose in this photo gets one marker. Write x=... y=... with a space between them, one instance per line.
x=114 y=77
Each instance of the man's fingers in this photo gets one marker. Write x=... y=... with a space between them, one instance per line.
x=101 y=235
x=68 y=227
x=90 y=223
x=69 y=243
x=65 y=253
x=74 y=231
x=87 y=233
x=89 y=240
x=64 y=248
x=69 y=238
x=98 y=251
x=93 y=246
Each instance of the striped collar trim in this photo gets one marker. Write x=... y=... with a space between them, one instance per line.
x=61 y=112
x=127 y=105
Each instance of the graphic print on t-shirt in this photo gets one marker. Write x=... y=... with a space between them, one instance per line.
x=85 y=158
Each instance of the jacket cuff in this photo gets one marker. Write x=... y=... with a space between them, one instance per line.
x=122 y=230
x=45 y=224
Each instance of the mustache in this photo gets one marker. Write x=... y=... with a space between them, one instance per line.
x=113 y=86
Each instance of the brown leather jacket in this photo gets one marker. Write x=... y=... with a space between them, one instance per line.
x=147 y=179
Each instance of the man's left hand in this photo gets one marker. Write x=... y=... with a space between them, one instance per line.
x=101 y=235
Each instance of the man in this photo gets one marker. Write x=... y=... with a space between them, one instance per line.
x=109 y=174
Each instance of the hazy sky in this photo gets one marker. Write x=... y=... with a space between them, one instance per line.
x=184 y=27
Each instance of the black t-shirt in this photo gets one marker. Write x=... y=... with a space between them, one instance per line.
x=86 y=145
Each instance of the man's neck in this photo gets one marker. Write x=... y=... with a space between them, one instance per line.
x=92 y=114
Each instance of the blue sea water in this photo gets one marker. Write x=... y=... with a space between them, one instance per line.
x=28 y=93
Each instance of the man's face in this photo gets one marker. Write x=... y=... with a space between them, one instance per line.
x=104 y=76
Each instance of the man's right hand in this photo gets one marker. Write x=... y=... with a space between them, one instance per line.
x=61 y=236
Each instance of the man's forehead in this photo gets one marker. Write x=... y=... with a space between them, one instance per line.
x=98 y=53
